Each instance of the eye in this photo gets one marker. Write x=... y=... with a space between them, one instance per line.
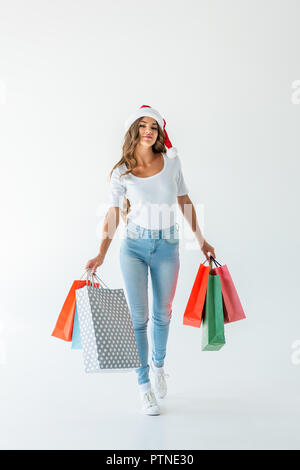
x=153 y=128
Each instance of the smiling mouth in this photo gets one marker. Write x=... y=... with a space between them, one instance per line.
x=149 y=138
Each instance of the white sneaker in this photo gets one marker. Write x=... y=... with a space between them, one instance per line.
x=150 y=405
x=160 y=384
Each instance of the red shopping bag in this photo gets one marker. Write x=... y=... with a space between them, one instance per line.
x=64 y=325
x=232 y=307
x=194 y=309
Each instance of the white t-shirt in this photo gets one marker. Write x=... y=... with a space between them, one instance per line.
x=153 y=199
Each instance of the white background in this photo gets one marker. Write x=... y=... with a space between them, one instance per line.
x=221 y=72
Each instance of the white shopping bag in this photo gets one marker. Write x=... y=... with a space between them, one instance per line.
x=106 y=330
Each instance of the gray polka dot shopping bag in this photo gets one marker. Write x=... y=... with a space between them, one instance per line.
x=106 y=330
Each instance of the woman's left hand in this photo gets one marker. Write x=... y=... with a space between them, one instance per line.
x=207 y=248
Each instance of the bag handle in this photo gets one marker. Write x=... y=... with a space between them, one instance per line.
x=217 y=264
x=210 y=263
x=87 y=273
x=214 y=260
x=89 y=277
x=100 y=280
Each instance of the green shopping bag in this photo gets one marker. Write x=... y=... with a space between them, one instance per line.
x=213 y=336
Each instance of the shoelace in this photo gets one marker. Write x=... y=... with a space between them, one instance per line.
x=160 y=378
x=150 y=398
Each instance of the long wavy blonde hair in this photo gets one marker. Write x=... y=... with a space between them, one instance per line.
x=131 y=140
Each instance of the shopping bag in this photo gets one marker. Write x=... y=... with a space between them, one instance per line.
x=232 y=307
x=193 y=312
x=64 y=324
x=213 y=335
x=106 y=330
x=76 y=340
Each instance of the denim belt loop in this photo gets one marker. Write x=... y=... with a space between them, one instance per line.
x=165 y=233
x=154 y=233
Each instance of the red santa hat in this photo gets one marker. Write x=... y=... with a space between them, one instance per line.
x=146 y=110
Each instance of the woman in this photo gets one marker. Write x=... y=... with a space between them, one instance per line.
x=152 y=180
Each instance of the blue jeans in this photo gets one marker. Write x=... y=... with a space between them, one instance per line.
x=158 y=250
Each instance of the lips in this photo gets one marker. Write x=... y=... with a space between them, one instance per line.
x=149 y=138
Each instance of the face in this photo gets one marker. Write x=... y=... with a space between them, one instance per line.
x=148 y=130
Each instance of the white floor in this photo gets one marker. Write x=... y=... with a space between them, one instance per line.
x=228 y=399
x=102 y=415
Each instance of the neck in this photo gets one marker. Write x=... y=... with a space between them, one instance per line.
x=144 y=155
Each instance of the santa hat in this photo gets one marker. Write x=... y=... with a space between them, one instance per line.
x=146 y=110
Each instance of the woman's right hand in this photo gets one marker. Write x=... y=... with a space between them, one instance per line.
x=94 y=263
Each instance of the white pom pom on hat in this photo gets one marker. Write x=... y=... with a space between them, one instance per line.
x=146 y=110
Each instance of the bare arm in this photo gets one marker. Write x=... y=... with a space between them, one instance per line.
x=188 y=210
x=110 y=225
